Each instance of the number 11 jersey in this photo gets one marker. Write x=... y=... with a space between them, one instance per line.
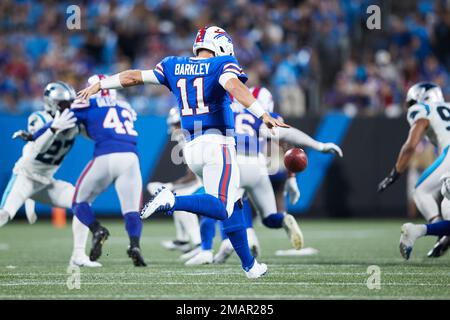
x=204 y=104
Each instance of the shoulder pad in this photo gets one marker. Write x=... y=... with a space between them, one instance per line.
x=418 y=111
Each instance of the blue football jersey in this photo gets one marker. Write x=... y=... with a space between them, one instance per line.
x=110 y=123
x=204 y=104
x=247 y=133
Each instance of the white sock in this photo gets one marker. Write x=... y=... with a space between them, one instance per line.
x=422 y=229
x=180 y=232
x=189 y=223
x=80 y=236
x=251 y=236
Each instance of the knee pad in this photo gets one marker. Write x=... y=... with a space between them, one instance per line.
x=274 y=220
x=83 y=212
x=236 y=221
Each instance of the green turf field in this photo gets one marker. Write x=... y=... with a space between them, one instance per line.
x=33 y=262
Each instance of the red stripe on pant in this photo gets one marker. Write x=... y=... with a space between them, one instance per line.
x=226 y=176
x=80 y=179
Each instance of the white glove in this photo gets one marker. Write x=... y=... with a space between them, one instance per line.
x=291 y=188
x=154 y=187
x=445 y=188
x=63 y=121
x=332 y=148
x=22 y=134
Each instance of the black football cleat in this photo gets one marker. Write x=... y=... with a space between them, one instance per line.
x=135 y=254
x=98 y=239
x=440 y=247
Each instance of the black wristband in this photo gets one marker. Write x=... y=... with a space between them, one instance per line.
x=394 y=174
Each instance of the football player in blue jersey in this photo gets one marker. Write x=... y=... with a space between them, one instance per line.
x=109 y=122
x=202 y=85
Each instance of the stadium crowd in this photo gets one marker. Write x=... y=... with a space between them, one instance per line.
x=314 y=55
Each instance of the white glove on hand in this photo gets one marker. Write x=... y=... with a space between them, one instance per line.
x=22 y=134
x=291 y=189
x=63 y=121
x=332 y=148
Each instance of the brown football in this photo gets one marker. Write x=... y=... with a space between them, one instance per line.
x=295 y=160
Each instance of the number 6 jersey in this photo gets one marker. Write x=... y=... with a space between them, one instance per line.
x=438 y=114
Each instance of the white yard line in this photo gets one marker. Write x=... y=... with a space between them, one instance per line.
x=190 y=284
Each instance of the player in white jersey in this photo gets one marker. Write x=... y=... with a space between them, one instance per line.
x=187 y=227
x=33 y=173
x=428 y=115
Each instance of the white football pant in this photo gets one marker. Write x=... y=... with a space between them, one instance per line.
x=212 y=157
x=427 y=195
x=120 y=168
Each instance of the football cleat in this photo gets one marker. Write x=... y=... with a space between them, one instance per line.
x=409 y=234
x=188 y=255
x=293 y=231
x=136 y=255
x=98 y=239
x=440 y=247
x=163 y=201
x=203 y=257
x=257 y=271
x=183 y=246
x=225 y=251
x=83 y=261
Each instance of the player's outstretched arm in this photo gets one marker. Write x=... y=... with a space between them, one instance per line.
x=416 y=134
x=120 y=80
x=241 y=93
x=297 y=137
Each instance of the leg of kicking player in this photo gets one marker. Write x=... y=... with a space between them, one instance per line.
x=129 y=187
x=226 y=249
x=60 y=194
x=216 y=165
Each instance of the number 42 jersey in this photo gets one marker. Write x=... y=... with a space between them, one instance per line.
x=438 y=114
x=109 y=122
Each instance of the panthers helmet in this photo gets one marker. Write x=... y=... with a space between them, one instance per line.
x=58 y=96
x=214 y=39
x=424 y=92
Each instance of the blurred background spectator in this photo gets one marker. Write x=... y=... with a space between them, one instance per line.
x=314 y=55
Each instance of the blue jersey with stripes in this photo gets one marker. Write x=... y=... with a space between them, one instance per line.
x=204 y=104
x=248 y=132
x=110 y=123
